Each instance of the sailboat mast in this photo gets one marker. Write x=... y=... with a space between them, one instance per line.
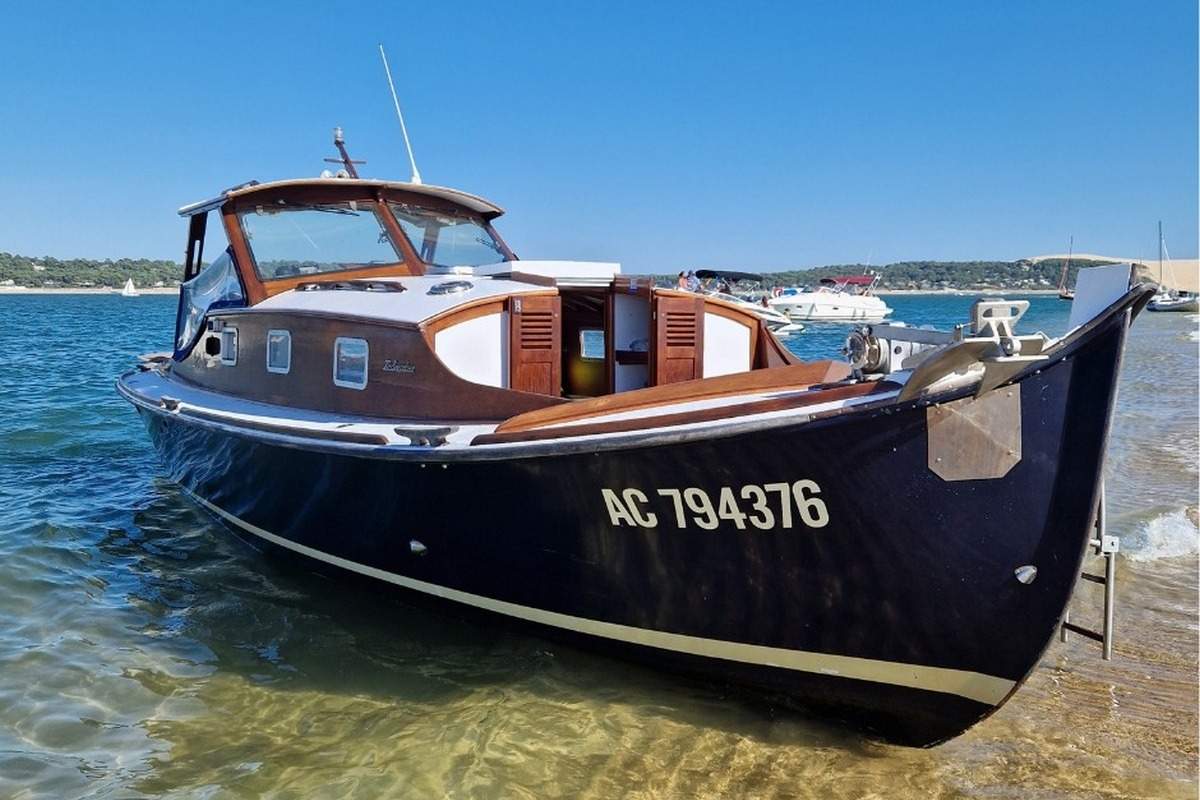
x=1062 y=279
x=1160 y=249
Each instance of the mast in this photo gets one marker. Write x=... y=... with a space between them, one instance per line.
x=1160 y=248
x=1062 y=279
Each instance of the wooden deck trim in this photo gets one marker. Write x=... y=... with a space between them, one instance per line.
x=797 y=376
x=798 y=400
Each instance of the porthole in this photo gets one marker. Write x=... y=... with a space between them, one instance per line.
x=350 y=358
x=229 y=345
x=279 y=352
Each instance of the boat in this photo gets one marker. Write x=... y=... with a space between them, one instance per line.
x=1063 y=292
x=1168 y=298
x=1172 y=300
x=845 y=298
x=129 y=290
x=368 y=379
x=727 y=281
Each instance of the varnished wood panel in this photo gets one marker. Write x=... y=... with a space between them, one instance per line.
x=780 y=379
x=798 y=400
x=415 y=384
x=677 y=338
x=535 y=344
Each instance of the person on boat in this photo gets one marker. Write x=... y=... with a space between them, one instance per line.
x=693 y=283
x=681 y=282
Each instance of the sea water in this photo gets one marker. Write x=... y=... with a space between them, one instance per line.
x=146 y=652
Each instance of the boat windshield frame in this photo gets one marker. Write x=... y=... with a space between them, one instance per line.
x=407 y=262
x=347 y=207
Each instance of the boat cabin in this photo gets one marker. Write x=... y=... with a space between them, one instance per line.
x=402 y=300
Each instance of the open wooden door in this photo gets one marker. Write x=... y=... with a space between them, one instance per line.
x=535 y=344
x=677 y=346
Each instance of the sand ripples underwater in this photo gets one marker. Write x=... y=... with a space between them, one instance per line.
x=145 y=652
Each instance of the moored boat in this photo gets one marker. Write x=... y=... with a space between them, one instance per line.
x=368 y=377
x=722 y=285
x=847 y=298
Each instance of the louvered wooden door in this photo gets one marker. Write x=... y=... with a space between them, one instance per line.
x=535 y=344
x=678 y=346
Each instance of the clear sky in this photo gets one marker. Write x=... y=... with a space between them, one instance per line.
x=660 y=136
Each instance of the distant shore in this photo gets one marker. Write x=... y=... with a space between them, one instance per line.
x=82 y=290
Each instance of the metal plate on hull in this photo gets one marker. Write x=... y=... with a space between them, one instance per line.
x=975 y=437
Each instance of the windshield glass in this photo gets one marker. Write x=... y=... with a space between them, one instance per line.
x=310 y=239
x=448 y=240
x=216 y=286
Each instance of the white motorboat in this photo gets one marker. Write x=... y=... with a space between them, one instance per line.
x=777 y=322
x=846 y=298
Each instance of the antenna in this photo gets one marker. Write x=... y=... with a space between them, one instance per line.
x=416 y=176
x=339 y=141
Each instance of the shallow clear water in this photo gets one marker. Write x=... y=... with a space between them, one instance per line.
x=144 y=651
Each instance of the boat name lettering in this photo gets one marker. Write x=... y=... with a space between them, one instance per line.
x=764 y=507
x=392 y=365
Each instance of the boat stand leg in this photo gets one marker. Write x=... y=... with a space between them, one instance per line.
x=1106 y=546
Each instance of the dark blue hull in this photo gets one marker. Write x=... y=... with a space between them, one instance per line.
x=901 y=612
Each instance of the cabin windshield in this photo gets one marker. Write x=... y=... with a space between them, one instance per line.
x=294 y=240
x=445 y=239
x=216 y=286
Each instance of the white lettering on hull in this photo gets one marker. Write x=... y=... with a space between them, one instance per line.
x=770 y=505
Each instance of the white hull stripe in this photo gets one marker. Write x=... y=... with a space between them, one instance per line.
x=986 y=689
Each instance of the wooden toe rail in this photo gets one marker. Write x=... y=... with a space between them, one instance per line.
x=798 y=399
x=793 y=377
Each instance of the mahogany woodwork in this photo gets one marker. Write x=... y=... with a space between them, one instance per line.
x=771 y=352
x=535 y=344
x=781 y=379
x=797 y=400
x=471 y=310
x=414 y=385
x=676 y=337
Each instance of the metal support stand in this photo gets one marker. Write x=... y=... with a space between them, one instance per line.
x=1106 y=546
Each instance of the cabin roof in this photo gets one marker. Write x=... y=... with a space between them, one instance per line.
x=413 y=305
x=469 y=201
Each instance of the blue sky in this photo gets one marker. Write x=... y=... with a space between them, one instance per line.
x=661 y=136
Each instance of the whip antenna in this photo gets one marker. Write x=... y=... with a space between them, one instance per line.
x=416 y=176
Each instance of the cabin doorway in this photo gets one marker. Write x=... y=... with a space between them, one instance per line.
x=585 y=351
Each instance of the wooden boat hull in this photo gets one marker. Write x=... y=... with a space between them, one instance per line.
x=901 y=613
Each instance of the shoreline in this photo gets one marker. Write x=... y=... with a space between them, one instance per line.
x=82 y=290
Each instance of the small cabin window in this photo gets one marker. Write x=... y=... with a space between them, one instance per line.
x=279 y=352
x=591 y=344
x=229 y=345
x=350 y=362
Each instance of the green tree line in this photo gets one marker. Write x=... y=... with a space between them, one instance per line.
x=82 y=272
x=932 y=275
x=86 y=272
